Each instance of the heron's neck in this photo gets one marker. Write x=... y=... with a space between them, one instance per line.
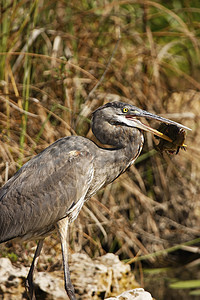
x=127 y=144
x=124 y=157
x=113 y=162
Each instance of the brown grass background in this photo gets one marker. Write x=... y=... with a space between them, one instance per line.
x=52 y=55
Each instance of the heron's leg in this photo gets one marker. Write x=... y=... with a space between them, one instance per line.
x=29 y=280
x=63 y=230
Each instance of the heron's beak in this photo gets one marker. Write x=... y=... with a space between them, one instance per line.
x=135 y=114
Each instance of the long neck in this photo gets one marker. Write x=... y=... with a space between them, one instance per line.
x=127 y=144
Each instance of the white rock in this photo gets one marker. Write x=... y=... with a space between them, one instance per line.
x=7 y=270
x=90 y=278
x=51 y=284
x=135 y=294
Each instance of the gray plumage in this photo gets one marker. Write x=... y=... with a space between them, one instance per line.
x=48 y=192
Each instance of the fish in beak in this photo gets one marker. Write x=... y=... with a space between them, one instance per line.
x=135 y=113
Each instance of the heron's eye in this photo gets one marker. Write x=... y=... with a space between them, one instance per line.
x=125 y=110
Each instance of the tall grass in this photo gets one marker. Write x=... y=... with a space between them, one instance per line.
x=52 y=56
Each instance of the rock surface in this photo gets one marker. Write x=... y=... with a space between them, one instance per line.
x=93 y=279
x=135 y=294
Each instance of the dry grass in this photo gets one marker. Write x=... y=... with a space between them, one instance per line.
x=52 y=56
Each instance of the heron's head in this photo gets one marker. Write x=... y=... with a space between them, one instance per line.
x=119 y=113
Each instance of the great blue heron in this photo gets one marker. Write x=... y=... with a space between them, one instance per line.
x=48 y=192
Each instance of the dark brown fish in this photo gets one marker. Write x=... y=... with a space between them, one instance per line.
x=177 y=136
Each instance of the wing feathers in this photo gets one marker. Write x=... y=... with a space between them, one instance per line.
x=45 y=188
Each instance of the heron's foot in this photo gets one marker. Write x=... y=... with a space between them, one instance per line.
x=70 y=293
x=30 y=289
x=70 y=290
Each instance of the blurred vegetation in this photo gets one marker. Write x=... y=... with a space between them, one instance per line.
x=62 y=59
